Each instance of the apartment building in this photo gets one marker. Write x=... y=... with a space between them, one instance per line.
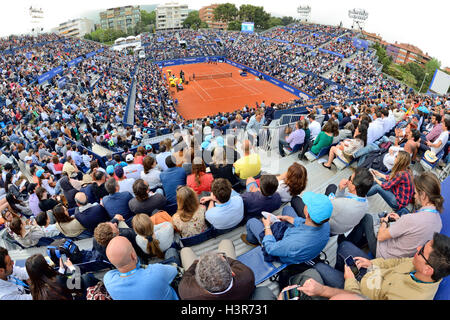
x=206 y=14
x=170 y=16
x=120 y=18
x=75 y=28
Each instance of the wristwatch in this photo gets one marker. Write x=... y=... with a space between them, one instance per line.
x=267 y=228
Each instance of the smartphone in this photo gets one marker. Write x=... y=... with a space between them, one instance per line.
x=49 y=261
x=290 y=294
x=350 y=262
x=64 y=258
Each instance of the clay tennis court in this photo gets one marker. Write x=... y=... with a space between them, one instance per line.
x=201 y=98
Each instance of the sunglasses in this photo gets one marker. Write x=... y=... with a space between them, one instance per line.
x=423 y=256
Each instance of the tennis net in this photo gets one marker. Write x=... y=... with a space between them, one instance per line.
x=194 y=76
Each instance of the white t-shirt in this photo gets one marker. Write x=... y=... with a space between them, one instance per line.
x=315 y=129
x=126 y=185
x=133 y=171
x=443 y=137
x=152 y=178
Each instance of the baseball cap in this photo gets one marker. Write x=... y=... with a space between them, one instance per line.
x=39 y=173
x=110 y=169
x=119 y=171
x=129 y=157
x=318 y=205
x=148 y=147
x=28 y=158
x=220 y=141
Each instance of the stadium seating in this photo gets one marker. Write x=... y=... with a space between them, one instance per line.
x=254 y=259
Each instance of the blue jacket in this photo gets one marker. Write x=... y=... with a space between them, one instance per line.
x=171 y=179
x=91 y=215
x=117 y=203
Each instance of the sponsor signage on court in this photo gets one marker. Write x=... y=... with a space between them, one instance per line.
x=186 y=61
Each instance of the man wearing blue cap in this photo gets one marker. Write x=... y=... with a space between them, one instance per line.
x=304 y=238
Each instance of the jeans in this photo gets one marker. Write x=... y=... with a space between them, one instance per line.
x=255 y=226
x=172 y=252
x=335 y=277
x=387 y=195
x=363 y=233
x=362 y=153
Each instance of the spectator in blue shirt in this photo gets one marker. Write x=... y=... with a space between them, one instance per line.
x=117 y=202
x=224 y=210
x=131 y=282
x=172 y=178
x=303 y=239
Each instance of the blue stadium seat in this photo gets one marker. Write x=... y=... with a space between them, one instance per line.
x=199 y=238
x=444 y=288
x=254 y=259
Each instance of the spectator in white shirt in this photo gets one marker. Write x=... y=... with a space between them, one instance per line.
x=314 y=127
x=12 y=279
x=132 y=170
x=125 y=184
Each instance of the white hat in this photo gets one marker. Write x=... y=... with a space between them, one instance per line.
x=129 y=158
x=28 y=158
x=430 y=156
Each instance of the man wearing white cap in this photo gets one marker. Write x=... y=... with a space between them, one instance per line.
x=132 y=170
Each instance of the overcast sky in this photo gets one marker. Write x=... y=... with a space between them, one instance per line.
x=425 y=24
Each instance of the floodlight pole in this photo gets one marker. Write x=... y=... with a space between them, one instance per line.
x=305 y=12
x=423 y=81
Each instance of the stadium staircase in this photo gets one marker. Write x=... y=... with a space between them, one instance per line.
x=343 y=63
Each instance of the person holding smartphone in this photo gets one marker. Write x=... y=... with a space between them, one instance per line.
x=416 y=278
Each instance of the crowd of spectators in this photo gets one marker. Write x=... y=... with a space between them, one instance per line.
x=134 y=207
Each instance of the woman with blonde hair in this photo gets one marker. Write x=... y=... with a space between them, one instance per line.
x=397 y=189
x=154 y=240
x=189 y=220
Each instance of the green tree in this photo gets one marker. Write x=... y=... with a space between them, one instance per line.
x=383 y=58
x=287 y=20
x=418 y=72
x=226 y=12
x=248 y=12
x=148 y=17
x=235 y=25
x=192 y=21
x=273 y=21
x=430 y=69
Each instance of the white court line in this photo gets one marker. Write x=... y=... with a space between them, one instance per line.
x=217 y=82
x=204 y=100
x=205 y=92
x=249 y=88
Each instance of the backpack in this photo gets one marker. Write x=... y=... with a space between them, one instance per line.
x=67 y=247
x=284 y=276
